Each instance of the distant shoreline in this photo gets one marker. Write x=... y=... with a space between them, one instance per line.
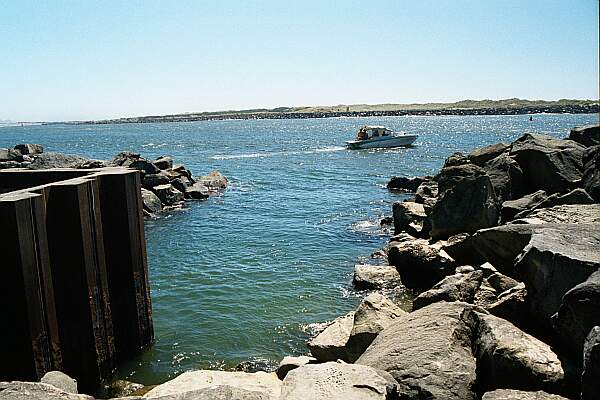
x=465 y=107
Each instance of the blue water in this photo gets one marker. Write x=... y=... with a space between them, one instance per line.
x=243 y=275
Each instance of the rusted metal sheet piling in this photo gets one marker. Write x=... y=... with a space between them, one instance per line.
x=74 y=293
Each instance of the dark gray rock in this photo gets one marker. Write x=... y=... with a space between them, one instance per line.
x=420 y=265
x=29 y=148
x=427 y=192
x=460 y=248
x=564 y=214
x=405 y=184
x=484 y=154
x=512 y=394
x=12 y=164
x=457 y=287
x=508 y=357
x=60 y=380
x=10 y=155
x=456 y=159
x=144 y=165
x=575 y=196
x=164 y=162
x=376 y=277
x=182 y=171
x=93 y=164
x=549 y=164
x=125 y=158
x=590 y=387
x=289 y=363
x=167 y=194
x=197 y=192
x=180 y=184
x=151 y=180
x=151 y=202
x=409 y=217
x=506 y=176
x=579 y=312
x=330 y=345
x=591 y=172
x=375 y=313
x=56 y=160
x=523 y=205
x=122 y=388
x=588 y=135
x=428 y=352
x=510 y=305
x=501 y=283
x=466 y=202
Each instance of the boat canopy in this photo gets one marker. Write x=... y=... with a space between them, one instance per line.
x=369 y=131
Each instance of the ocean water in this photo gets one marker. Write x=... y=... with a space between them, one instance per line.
x=247 y=274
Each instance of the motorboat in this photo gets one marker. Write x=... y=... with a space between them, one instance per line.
x=372 y=137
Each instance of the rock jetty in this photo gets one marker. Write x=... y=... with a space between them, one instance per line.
x=165 y=185
x=502 y=251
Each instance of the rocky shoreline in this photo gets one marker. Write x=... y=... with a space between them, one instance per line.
x=502 y=250
x=165 y=186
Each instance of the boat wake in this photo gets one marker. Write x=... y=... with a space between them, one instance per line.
x=276 y=153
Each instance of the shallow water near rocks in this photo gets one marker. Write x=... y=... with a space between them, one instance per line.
x=246 y=274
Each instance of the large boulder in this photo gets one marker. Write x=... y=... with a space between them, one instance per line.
x=550 y=164
x=512 y=394
x=151 y=202
x=409 y=217
x=376 y=277
x=457 y=287
x=482 y=155
x=428 y=352
x=167 y=194
x=337 y=381
x=579 y=312
x=506 y=176
x=508 y=357
x=460 y=248
x=152 y=180
x=330 y=345
x=36 y=391
x=145 y=166
x=587 y=135
x=405 y=184
x=590 y=378
x=501 y=245
x=211 y=385
x=10 y=155
x=29 y=148
x=164 y=162
x=60 y=380
x=427 y=192
x=214 y=180
x=563 y=214
x=374 y=313
x=197 y=192
x=420 y=264
x=466 y=202
x=56 y=160
x=591 y=172
x=524 y=204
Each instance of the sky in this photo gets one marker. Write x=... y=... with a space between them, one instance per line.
x=81 y=60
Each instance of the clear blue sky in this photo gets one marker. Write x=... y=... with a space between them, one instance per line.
x=89 y=60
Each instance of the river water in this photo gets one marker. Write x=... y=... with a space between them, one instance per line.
x=246 y=274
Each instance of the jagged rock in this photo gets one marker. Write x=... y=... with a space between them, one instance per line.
x=511 y=394
x=579 y=312
x=575 y=196
x=206 y=384
x=557 y=258
x=289 y=363
x=167 y=194
x=164 y=162
x=590 y=389
x=508 y=357
x=510 y=305
x=182 y=171
x=152 y=180
x=409 y=217
x=144 y=165
x=458 y=287
x=93 y=164
x=428 y=352
x=60 y=380
x=591 y=172
x=337 y=381
x=29 y=148
x=485 y=295
x=427 y=192
x=460 y=248
x=588 y=135
x=330 y=345
x=386 y=221
x=374 y=314
x=526 y=203
x=456 y=159
x=197 y=192
x=214 y=180
x=180 y=184
x=152 y=203
x=420 y=264
x=466 y=202
x=464 y=269
x=125 y=158
x=375 y=277
x=501 y=283
x=10 y=155
x=487 y=269
x=549 y=164
x=56 y=160
x=405 y=184
x=36 y=391
x=565 y=214
x=484 y=154
x=506 y=176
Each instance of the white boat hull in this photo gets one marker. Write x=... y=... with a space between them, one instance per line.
x=382 y=142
